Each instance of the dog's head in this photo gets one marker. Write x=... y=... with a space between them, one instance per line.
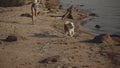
x=69 y=25
x=67 y=22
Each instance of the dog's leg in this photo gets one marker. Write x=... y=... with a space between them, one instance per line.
x=70 y=33
x=66 y=33
x=73 y=32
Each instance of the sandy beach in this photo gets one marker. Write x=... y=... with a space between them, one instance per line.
x=46 y=39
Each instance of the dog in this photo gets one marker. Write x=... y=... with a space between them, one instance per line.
x=69 y=28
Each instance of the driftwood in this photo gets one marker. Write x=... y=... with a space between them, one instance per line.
x=73 y=13
x=68 y=13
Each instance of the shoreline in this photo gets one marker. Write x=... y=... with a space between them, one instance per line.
x=108 y=20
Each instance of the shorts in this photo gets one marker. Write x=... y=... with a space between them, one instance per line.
x=35 y=6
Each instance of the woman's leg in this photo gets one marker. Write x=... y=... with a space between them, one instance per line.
x=32 y=11
x=35 y=12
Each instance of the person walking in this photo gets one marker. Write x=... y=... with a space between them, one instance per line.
x=34 y=8
x=36 y=4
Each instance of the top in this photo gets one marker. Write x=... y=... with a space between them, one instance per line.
x=35 y=1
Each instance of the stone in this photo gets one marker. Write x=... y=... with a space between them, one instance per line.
x=52 y=59
x=11 y=38
x=93 y=14
x=97 y=26
x=82 y=5
x=103 y=38
x=0 y=42
x=116 y=38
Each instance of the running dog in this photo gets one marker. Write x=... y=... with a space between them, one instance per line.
x=69 y=28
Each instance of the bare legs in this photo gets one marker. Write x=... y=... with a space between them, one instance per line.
x=32 y=10
x=34 y=14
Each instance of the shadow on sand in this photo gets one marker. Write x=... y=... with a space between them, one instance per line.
x=14 y=22
x=45 y=35
x=55 y=15
x=26 y=15
x=91 y=41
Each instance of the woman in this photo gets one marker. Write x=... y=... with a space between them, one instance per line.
x=34 y=8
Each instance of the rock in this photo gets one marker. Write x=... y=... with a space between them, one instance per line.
x=11 y=38
x=103 y=38
x=0 y=42
x=97 y=26
x=52 y=59
x=93 y=14
x=74 y=67
x=107 y=39
x=116 y=38
x=117 y=44
x=68 y=66
x=60 y=7
x=82 y=5
x=85 y=66
x=115 y=35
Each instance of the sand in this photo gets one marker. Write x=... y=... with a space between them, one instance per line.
x=45 y=39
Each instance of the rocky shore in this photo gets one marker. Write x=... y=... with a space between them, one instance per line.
x=44 y=45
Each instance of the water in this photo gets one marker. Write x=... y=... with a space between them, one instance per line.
x=107 y=10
